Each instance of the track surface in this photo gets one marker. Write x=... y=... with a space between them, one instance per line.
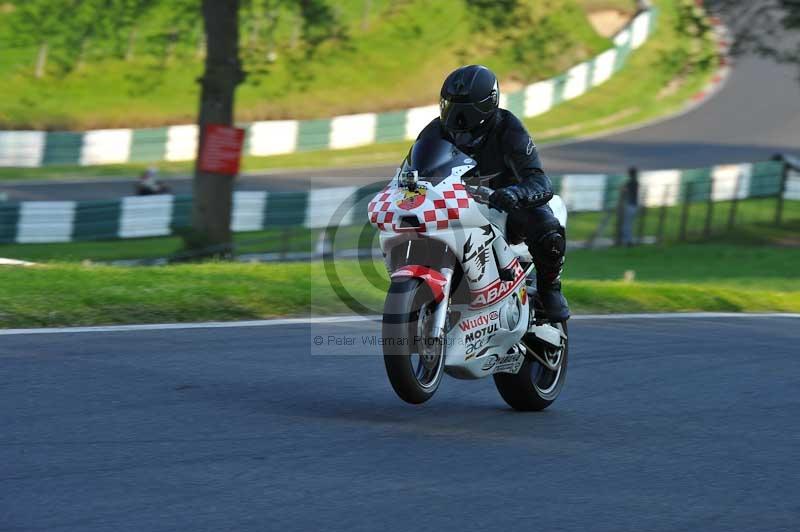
x=664 y=425
x=756 y=115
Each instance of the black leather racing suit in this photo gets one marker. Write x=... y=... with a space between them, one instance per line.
x=508 y=154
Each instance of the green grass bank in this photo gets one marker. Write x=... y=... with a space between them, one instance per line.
x=686 y=277
x=350 y=56
x=659 y=79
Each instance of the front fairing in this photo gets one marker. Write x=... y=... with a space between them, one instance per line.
x=425 y=208
x=446 y=217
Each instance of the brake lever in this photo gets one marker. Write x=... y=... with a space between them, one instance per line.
x=481 y=194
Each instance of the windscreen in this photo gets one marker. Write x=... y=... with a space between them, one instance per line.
x=434 y=159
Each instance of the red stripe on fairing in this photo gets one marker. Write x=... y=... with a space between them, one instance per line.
x=432 y=278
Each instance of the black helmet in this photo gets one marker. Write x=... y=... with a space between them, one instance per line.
x=469 y=101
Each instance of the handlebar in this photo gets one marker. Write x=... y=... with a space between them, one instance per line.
x=480 y=194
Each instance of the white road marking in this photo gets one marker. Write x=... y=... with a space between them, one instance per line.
x=690 y=315
x=355 y=319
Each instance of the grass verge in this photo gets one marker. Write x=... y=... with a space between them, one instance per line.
x=273 y=240
x=718 y=277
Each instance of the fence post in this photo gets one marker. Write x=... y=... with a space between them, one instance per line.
x=618 y=223
x=285 y=241
x=41 y=60
x=709 y=208
x=642 y=217
x=687 y=195
x=628 y=195
x=735 y=202
x=662 y=215
x=782 y=192
x=601 y=227
x=324 y=246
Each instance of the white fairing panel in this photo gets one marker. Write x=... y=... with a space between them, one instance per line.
x=559 y=209
x=521 y=251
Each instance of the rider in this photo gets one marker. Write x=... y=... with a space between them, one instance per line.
x=471 y=119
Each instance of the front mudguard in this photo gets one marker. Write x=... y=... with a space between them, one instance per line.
x=435 y=280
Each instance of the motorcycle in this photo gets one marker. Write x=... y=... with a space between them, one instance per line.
x=149 y=184
x=462 y=298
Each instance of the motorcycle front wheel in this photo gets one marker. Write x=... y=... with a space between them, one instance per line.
x=536 y=385
x=414 y=359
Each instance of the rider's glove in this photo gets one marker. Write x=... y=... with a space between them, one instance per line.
x=507 y=198
x=535 y=192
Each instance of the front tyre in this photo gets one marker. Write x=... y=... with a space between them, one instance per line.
x=536 y=385
x=414 y=359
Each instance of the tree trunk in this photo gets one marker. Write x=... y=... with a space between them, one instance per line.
x=366 y=14
x=169 y=50
x=129 y=53
x=200 y=49
x=255 y=30
x=272 y=54
x=213 y=193
x=41 y=60
x=297 y=30
x=81 y=62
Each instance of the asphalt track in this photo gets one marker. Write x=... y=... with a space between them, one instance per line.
x=673 y=424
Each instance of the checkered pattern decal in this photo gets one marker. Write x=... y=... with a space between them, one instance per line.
x=445 y=209
x=378 y=209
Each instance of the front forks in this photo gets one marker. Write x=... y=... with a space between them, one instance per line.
x=440 y=313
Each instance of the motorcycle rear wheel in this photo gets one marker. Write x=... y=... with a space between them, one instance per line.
x=535 y=387
x=414 y=360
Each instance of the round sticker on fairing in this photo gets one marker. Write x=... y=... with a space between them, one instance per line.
x=412 y=198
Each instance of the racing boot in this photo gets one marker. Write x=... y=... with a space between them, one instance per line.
x=554 y=304
x=548 y=256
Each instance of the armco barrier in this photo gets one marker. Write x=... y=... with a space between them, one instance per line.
x=275 y=137
x=148 y=216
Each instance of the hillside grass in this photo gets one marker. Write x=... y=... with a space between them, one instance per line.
x=659 y=79
x=395 y=61
x=674 y=278
x=628 y=98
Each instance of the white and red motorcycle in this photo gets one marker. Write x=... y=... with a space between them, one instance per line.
x=461 y=300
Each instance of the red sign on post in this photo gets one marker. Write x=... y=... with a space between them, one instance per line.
x=222 y=149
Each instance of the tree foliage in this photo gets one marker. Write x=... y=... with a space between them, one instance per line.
x=73 y=28
x=761 y=27
x=96 y=30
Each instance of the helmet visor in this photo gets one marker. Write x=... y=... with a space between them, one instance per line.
x=458 y=117
x=488 y=104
